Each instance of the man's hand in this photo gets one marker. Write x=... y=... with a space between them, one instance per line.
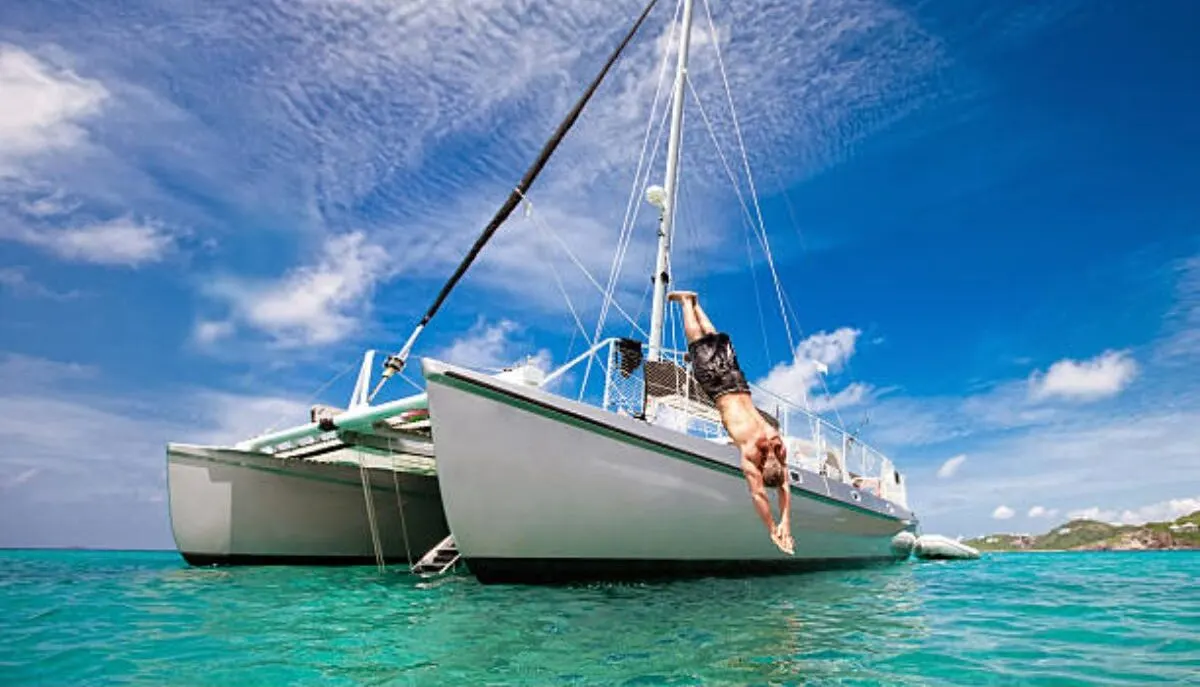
x=783 y=539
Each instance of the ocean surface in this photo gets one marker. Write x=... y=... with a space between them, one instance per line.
x=109 y=618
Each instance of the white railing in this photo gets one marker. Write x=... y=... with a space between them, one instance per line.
x=813 y=443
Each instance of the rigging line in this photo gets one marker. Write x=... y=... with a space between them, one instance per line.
x=628 y=235
x=762 y=318
x=369 y=503
x=642 y=303
x=411 y=383
x=396 y=362
x=640 y=180
x=749 y=176
x=571 y=255
x=631 y=205
x=561 y=288
x=400 y=504
x=313 y=398
x=747 y=218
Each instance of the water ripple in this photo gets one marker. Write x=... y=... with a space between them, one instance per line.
x=1017 y=619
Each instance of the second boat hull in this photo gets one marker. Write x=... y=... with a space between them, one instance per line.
x=233 y=507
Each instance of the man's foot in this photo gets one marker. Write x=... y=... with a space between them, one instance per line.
x=681 y=296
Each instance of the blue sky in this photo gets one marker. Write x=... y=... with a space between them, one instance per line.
x=983 y=215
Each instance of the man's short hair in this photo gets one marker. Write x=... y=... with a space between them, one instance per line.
x=772 y=473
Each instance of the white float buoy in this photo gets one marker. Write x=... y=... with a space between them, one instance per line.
x=937 y=547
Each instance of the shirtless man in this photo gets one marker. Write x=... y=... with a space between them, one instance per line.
x=716 y=368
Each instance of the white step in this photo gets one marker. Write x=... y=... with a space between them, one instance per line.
x=439 y=559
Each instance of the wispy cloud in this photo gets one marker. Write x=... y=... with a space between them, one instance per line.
x=490 y=346
x=1181 y=345
x=17 y=281
x=1163 y=511
x=330 y=131
x=104 y=451
x=122 y=241
x=951 y=466
x=315 y=304
x=41 y=109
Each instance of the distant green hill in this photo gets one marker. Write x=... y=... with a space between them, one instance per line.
x=1090 y=535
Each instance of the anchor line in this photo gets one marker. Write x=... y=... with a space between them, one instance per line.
x=400 y=505
x=369 y=502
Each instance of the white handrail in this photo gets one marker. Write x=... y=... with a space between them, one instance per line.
x=575 y=361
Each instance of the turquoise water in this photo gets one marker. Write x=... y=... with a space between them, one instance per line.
x=92 y=618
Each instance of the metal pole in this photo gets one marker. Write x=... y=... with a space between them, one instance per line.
x=667 y=220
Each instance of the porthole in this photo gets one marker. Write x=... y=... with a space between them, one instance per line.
x=795 y=476
x=854 y=495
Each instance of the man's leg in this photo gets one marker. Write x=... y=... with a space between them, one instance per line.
x=695 y=323
x=706 y=325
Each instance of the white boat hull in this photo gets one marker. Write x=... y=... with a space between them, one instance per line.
x=539 y=488
x=245 y=507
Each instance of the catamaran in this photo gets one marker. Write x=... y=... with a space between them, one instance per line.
x=530 y=485
x=643 y=482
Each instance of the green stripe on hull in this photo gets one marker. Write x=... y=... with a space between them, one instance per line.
x=292 y=473
x=595 y=428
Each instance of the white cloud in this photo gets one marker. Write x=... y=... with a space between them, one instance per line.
x=821 y=353
x=1042 y=512
x=951 y=466
x=1003 y=513
x=1163 y=511
x=852 y=395
x=121 y=241
x=1100 y=377
x=490 y=347
x=311 y=305
x=210 y=331
x=42 y=108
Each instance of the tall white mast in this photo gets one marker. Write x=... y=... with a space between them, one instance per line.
x=667 y=202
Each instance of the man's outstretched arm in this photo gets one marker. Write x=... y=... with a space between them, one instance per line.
x=758 y=493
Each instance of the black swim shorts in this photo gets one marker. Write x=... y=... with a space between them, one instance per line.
x=715 y=365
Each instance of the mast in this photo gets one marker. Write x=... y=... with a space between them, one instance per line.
x=666 y=204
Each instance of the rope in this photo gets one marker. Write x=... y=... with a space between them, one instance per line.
x=311 y=399
x=762 y=318
x=748 y=218
x=580 y=265
x=561 y=288
x=369 y=501
x=632 y=207
x=400 y=504
x=749 y=178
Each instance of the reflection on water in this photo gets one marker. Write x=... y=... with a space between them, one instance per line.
x=144 y=618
